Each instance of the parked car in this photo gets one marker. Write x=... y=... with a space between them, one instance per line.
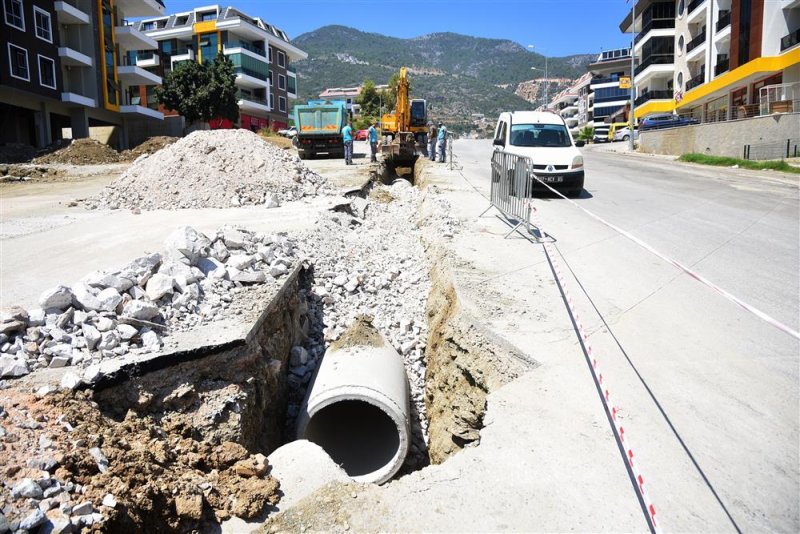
x=624 y=134
x=545 y=139
x=289 y=132
x=665 y=120
x=361 y=135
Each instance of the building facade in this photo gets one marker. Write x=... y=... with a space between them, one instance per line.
x=607 y=101
x=716 y=59
x=63 y=66
x=262 y=56
x=572 y=104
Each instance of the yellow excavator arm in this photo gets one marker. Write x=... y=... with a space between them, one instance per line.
x=403 y=107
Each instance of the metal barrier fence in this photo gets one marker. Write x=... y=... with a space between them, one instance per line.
x=512 y=188
x=789 y=148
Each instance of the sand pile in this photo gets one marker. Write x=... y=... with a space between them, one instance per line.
x=81 y=152
x=212 y=169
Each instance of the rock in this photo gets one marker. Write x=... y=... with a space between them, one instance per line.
x=137 y=309
x=189 y=506
x=159 y=285
x=11 y=367
x=109 y=501
x=174 y=269
x=272 y=201
x=151 y=341
x=84 y=298
x=126 y=332
x=278 y=270
x=104 y=324
x=59 y=361
x=27 y=488
x=92 y=373
x=351 y=286
x=234 y=238
x=109 y=299
x=239 y=261
x=209 y=265
x=359 y=207
x=299 y=356
x=70 y=381
x=59 y=298
x=102 y=465
x=187 y=245
x=57 y=524
x=340 y=280
x=36 y=317
x=91 y=335
x=219 y=251
x=85 y=508
x=108 y=341
x=63 y=350
x=252 y=277
x=141 y=267
x=33 y=520
x=103 y=280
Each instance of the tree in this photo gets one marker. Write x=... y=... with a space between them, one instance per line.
x=201 y=91
x=369 y=99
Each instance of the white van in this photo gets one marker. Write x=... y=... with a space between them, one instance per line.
x=543 y=137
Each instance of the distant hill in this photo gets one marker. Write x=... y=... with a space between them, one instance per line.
x=458 y=74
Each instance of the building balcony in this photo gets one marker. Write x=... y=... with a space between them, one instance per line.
x=724 y=20
x=142 y=111
x=696 y=42
x=249 y=78
x=69 y=14
x=694 y=11
x=250 y=47
x=697 y=80
x=129 y=38
x=140 y=8
x=652 y=26
x=72 y=58
x=134 y=75
x=80 y=100
x=252 y=104
x=722 y=66
x=148 y=59
x=653 y=95
x=790 y=41
x=186 y=54
x=239 y=51
x=653 y=66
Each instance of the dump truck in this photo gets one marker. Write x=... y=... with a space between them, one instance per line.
x=319 y=126
x=405 y=127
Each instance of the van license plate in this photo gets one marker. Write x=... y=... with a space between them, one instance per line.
x=553 y=179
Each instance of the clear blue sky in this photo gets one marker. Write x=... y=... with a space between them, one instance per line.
x=555 y=27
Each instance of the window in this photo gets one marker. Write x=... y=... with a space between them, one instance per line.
x=147 y=26
x=282 y=103
x=281 y=59
x=281 y=82
x=18 y=61
x=270 y=102
x=44 y=28
x=14 y=15
x=47 y=72
x=549 y=135
x=182 y=21
x=271 y=81
x=680 y=45
x=681 y=5
x=270 y=54
x=680 y=81
x=208 y=15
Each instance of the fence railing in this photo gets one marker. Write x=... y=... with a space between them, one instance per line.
x=788 y=148
x=512 y=187
x=724 y=20
x=779 y=98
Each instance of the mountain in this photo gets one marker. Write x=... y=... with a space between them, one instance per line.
x=457 y=74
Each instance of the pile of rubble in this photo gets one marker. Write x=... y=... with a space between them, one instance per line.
x=80 y=152
x=110 y=314
x=212 y=169
x=150 y=146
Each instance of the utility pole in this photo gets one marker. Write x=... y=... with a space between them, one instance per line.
x=631 y=118
x=546 y=83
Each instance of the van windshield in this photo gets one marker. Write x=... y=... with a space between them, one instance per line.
x=551 y=135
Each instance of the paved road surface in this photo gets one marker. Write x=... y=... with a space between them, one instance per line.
x=723 y=385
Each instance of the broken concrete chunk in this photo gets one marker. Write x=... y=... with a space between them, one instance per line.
x=109 y=501
x=59 y=297
x=250 y=277
x=109 y=299
x=102 y=465
x=151 y=341
x=187 y=245
x=137 y=309
x=239 y=261
x=33 y=520
x=84 y=298
x=59 y=361
x=108 y=341
x=85 y=508
x=219 y=251
x=11 y=367
x=159 y=285
x=278 y=270
x=91 y=335
x=104 y=280
x=27 y=488
x=234 y=238
x=70 y=381
x=126 y=331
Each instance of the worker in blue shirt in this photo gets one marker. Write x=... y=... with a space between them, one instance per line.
x=347 y=137
x=442 y=142
x=373 y=142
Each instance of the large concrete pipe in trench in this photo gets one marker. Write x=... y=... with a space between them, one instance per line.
x=357 y=407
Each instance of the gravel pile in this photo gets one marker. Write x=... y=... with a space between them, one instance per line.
x=212 y=169
x=369 y=261
x=110 y=314
x=81 y=152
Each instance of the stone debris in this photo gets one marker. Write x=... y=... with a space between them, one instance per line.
x=213 y=169
x=110 y=314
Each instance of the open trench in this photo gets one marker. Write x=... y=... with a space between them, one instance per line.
x=214 y=408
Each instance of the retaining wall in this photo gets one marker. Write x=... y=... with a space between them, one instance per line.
x=721 y=138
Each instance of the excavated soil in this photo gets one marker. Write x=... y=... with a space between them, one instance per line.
x=360 y=333
x=150 y=146
x=81 y=152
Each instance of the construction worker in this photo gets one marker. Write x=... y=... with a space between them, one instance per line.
x=432 y=137
x=373 y=142
x=442 y=142
x=347 y=137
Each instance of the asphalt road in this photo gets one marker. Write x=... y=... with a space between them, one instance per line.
x=711 y=392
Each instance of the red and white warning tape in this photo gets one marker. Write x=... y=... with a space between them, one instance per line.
x=601 y=382
x=752 y=309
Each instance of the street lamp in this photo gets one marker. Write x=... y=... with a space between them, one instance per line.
x=546 y=77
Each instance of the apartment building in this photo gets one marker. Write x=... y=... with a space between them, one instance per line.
x=261 y=53
x=737 y=58
x=572 y=104
x=62 y=66
x=607 y=102
x=654 y=50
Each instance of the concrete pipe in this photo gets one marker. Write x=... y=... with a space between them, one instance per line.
x=357 y=407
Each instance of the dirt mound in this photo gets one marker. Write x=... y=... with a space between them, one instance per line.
x=81 y=152
x=16 y=153
x=150 y=146
x=213 y=169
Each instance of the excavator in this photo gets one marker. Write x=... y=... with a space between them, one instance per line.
x=405 y=126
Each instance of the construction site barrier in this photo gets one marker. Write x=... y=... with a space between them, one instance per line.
x=512 y=188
